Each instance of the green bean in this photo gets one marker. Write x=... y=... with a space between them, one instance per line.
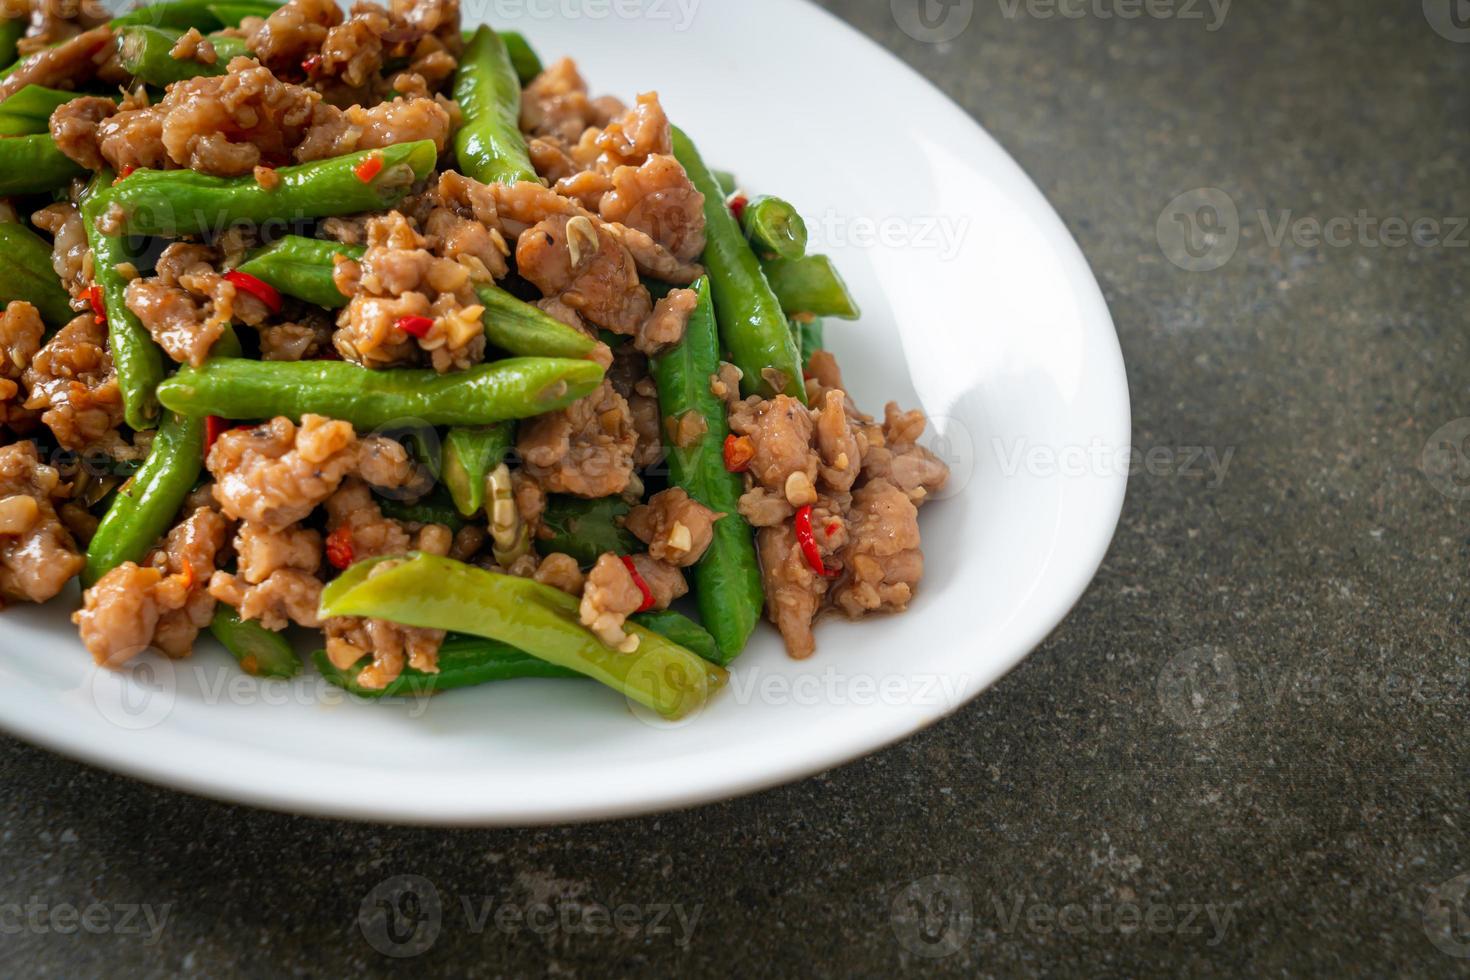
x=174 y=203
x=26 y=274
x=680 y=629
x=437 y=508
x=515 y=388
x=138 y=360
x=522 y=55
x=28 y=111
x=810 y=334
x=489 y=144
x=587 y=529
x=12 y=29
x=751 y=323
x=146 y=53
x=184 y=14
x=464 y=661
x=729 y=183
x=437 y=593
x=774 y=228
x=146 y=506
x=302 y=267
x=33 y=165
x=468 y=457
x=811 y=286
x=727 y=580
x=260 y=652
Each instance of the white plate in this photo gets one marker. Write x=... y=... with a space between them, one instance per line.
x=1002 y=336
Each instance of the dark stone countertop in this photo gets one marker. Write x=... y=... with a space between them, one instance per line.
x=1244 y=753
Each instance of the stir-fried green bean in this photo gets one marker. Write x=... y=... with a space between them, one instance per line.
x=138 y=360
x=810 y=334
x=727 y=580
x=489 y=144
x=174 y=203
x=438 y=593
x=464 y=661
x=515 y=388
x=774 y=228
x=12 y=29
x=302 y=267
x=28 y=111
x=752 y=325
x=33 y=165
x=146 y=53
x=26 y=274
x=468 y=457
x=527 y=62
x=260 y=652
x=147 y=504
x=811 y=286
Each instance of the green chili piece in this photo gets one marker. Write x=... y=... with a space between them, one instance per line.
x=26 y=274
x=751 y=322
x=174 y=203
x=259 y=651
x=437 y=593
x=489 y=144
x=515 y=388
x=727 y=580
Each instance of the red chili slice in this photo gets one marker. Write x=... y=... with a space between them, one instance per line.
x=415 y=326
x=262 y=291
x=99 y=307
x=311 y=64
x=739 y=451
x=214 y=427
x=737 y=206
x=124 y=173
x=369 y=169
x=808 y=541
x=339 y=547
x=642 y=585
x=833 y=528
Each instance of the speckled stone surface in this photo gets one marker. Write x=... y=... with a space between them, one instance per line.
x=1244 y=753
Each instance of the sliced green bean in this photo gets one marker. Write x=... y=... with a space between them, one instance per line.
x=469 y=455
x=489 y=144
x=811 y=286
x=680 y=629
x=145 y=507
x=587 y=529
x=727 y=580
x=810 y=334
x=437 y=593
x=774 y=228
x=26 y=274
x=302 y=267
x=138 y=360
x=184 y=14
x=174 y=203
x=146 y=53
x=230 y=14
x=259 y=651
x=12 y=29
x=33 y=165
x=751 y=323
x=516 y=388
x=28 y=111
x=729 y=183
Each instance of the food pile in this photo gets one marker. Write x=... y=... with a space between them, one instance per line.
x=367 y=325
